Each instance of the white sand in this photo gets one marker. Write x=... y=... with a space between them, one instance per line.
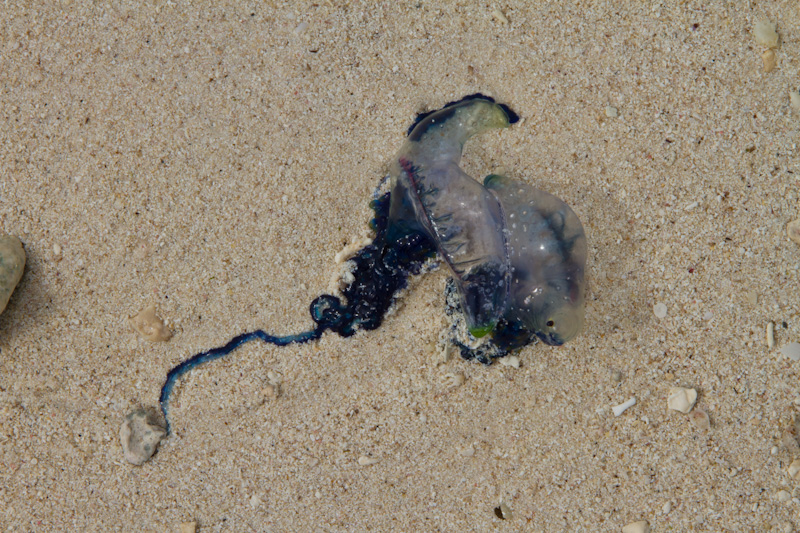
x=213 y=162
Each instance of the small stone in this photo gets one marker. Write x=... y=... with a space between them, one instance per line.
x=499 y=16
x=783 y=496
x=271 y=391
x=793 y=227
x=660 y=310
x=637 y=527
x=794 y=470
x=12 y=265
x=681 y=399
x=510 y=360
x=139 y=435
x=621 y=408
x=770 y=335
x=366 y=461
x=666 y=508
x=770 y=60
x=700 y=419
x=766 y=34
x=612 y=112
x=503 y=512
x=792 y=351
x=150 y=326
x=188 y=527
x=794 y=98
x=255 y=501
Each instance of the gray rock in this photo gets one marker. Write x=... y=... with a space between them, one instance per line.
x=140 y=434
x=12 y=264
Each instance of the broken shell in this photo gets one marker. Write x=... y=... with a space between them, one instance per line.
x=12 y=264
x=139 y=435
x=770 y=60
x=681 y=399
x=637 y=527
x=792 y=351
x=150 y=326
x=794 y=470
x=793 y=231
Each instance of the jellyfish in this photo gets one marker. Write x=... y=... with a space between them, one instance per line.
x=516 y=254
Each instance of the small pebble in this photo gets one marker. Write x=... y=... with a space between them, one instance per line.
x=794 y=98
x=770 y=60
x=150 y=326
x=660 y=310
x=12 y=265
x=499 y=16
x=188 y=527
x=793 y=227
x=792 y=351
x=503 y=512
x=794 y=470
x=766 y=34
x=770 y=335
x=139 y=435
x=255 y=501
x=700 y=419
x=637 y=527
x=510 y=360
x=666 y=508
x=783 y=496
x=612 y=112
x=621 y=408
x=681 y=399
x=366 y=461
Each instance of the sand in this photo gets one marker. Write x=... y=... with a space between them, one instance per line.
x=212 y=162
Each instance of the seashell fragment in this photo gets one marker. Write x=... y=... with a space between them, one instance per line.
x=637 y=527
x=766 y=34
x=139 y=435
x=792 y=351
x=12 y=264
x=150 y=326
x=681 y=399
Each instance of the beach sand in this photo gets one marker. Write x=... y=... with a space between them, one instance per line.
x=212 y=162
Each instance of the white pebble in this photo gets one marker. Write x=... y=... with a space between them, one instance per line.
x=660 y=310
x=255 y=501
x=366 y=461
x=637 y=527
x=681 y=399
x=793 y=227
x=12 y=264
x=770 y=335
x=500 y=16
x=783 y=496
x=510 y=360
x=621 y=408
x=666 y=508
x=794 y=98
x=139 y=435
x=794 y=470
x=792 y=351
x=150 y=326
x=612 y=112
x=766 y=34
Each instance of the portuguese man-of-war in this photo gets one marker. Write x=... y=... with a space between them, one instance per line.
x=517 y=254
